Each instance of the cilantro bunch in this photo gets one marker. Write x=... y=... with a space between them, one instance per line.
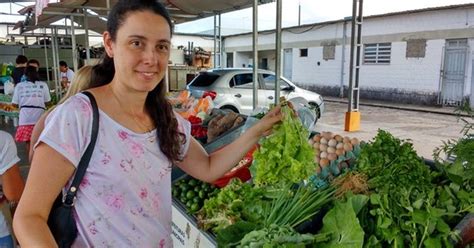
x=285 y=156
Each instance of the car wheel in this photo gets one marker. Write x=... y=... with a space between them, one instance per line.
x=315 y=106
x=232 y=108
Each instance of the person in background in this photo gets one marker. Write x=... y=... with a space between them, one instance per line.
x=33 y=62
x=12 y=184
x=19 y=70
x=31 y=97
x=66 y=74
x=125 y=196
x=81 y=81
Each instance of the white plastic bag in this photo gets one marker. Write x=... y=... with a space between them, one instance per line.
x=8 y=87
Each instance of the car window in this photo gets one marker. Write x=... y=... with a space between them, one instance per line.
x=269 y=81
x=242 y=81
x=204 y=79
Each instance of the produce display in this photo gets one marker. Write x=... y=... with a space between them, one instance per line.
x=334 y=191
x=192 y=193
x=8 y=107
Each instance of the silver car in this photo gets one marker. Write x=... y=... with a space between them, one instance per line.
x=233 y=89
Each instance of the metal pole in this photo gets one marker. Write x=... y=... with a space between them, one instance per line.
x=86 y=40
x=359 y=47
x=215 y=40
x=73 y=40
x=220 y=41
x=343 y=58
x=55 y=72
x=255 y=53
x=278 y=52
x=108 y=6
x=351 y=63
x=46 y=57
x=299 y=13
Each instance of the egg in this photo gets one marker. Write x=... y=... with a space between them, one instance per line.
x=323 y=141
x=317 y=137
x=332 y=143
x=324 y=162
x=323 y=147
x=338 y=138
x=354 y=141
x=340 y=152
x=331 y=150
x=323 y=155
x=340 y=145
x=332 y=156
x=347 y=147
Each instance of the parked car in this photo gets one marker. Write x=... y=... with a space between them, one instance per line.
x=232 y=88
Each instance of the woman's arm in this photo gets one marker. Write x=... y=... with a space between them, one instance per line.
x=209 y=168
x=48 y=174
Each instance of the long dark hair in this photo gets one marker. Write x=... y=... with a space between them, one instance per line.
x=156 y=104
x=31 y=74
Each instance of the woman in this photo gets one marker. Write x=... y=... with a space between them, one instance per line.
x=31 y=96
x=125 y=197
x=12 y=183
x=82 y=81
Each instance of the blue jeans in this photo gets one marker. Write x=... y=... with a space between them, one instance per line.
x=6 y=242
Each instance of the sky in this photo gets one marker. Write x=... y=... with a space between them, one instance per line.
x=312 y=11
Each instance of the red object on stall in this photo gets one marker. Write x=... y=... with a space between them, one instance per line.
x=240 y=171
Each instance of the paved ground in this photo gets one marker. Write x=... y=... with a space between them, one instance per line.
x=427 y=128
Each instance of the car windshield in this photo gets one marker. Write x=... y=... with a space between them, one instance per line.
x=205 y=79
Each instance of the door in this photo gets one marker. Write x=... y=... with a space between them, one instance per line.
x=269 y=84
x=453 y=72
x=241 y=89
x=288 y=63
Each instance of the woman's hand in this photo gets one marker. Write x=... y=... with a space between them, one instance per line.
x=265 y=125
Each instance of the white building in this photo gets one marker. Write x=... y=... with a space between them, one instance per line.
x=421 y=56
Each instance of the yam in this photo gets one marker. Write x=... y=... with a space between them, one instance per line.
x=340 y=152
x=323 y=141
x=354 y=141
x=316 y=138
x=340 y=146
x=338 y=138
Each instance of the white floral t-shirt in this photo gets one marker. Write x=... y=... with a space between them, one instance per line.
x=124 y=199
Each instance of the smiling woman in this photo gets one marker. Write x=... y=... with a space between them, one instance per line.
x=124 y=199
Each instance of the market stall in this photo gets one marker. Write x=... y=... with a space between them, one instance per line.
x=327 y=190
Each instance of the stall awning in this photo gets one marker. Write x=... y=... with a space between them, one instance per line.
x=181 y=10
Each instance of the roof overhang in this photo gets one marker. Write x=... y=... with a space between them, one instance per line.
x=181 y=11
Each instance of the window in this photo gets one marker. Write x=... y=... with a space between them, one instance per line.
x=205 y=79
x=304 y=52
x=269 y=81
x=243 y=81
x=416 y=48
x=378 y=53
x=329 y=52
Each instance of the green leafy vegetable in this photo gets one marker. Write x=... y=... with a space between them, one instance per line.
x=285 y=156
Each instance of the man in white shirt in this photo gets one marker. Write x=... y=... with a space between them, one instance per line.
x=66 y=74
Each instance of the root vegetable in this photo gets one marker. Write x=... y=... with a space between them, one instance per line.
x=338 y=138
x=340 y=152
x=316 y=145
x=323 y=141
x=340 y=145
x=316 y=138
x=346 y=140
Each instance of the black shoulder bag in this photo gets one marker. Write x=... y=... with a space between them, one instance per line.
x=61 y=220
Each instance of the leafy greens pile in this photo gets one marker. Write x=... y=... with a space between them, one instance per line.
x=285 y=156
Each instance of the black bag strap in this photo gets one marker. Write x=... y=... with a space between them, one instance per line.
x=70 y=198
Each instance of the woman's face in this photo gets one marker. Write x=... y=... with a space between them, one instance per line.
x=140 y=51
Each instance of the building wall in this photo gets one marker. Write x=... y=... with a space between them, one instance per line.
x=411 y=80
